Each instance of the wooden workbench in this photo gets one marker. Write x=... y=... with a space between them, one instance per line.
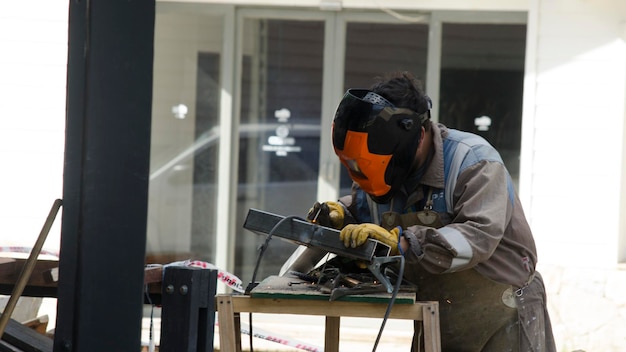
x=299 y=303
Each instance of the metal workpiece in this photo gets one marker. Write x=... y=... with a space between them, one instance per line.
x=302 y=232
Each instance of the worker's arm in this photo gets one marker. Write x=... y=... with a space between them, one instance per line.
x=483 y=203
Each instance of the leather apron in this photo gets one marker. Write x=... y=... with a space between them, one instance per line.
x=476 y=313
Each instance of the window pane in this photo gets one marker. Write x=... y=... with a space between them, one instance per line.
x=279 y=131
x=482 y=74
x=373 y=49
x=184 y=147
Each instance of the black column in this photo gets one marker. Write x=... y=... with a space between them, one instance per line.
x=105 y=184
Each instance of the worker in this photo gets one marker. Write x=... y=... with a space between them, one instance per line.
x=444 y=200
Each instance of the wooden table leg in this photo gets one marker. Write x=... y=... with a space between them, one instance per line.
x=226 y=320
x=237 y=331
x=432 y=336
x=331 y=337
x=418 y=327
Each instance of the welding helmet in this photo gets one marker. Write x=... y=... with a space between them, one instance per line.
x=376 y=141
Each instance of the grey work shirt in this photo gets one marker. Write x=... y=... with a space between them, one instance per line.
x=484 y=224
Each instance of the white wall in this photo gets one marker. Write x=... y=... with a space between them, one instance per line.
x=33 y=62
x=33 y=46
x=577 y=131
x=572 y=166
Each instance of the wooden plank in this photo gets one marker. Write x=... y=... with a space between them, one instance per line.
x=7 y=266
x=37 y=277
x=51 y=276
x=45 y=276
x=326 y=308
x=153 y=275
x=39 y=324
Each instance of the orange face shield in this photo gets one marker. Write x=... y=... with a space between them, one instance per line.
x=364 y=167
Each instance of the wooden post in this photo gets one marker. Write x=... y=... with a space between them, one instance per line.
x=188 y=313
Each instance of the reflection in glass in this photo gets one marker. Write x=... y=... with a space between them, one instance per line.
x=482 y=73
x=372 y=49
x=279 y=131
x=185 y=136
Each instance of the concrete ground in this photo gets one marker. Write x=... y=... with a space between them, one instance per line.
x=356 y=334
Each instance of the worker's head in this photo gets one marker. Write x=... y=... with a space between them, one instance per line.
x=376 y=133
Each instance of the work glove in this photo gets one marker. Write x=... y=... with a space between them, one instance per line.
x=329 y=214
x=354 y=235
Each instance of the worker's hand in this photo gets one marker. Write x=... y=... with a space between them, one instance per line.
x=354 y=235
x=329 y=214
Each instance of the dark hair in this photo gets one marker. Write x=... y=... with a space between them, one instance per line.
x=404 y=91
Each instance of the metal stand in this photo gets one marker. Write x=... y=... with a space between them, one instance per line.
x=188 y=313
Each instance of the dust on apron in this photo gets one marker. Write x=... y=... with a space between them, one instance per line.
x=476 y=313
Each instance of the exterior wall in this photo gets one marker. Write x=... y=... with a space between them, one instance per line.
x=578 y=117
x=573 y=162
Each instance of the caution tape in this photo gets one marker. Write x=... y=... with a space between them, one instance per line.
x=265 y=335
x=19 y=249
x=225 y=277
x=260 y=334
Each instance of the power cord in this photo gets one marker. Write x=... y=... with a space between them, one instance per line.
x=261 y=251
x=391 y=301
x=151 y=331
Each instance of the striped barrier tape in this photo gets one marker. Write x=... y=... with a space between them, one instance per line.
x=20 y=249
x=265 y=335
x=225 y=277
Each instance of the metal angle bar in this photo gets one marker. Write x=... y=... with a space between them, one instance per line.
x=311 y=235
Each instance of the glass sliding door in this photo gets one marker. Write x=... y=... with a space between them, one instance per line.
x=279 y=131
x=373 y=49
x=481 y=84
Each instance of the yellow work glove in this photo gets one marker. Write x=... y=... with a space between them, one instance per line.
x=355 y=235
x=329 y=214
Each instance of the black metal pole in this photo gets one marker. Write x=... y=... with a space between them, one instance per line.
x=105 y=185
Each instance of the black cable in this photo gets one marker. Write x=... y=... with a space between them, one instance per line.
x=265 y=244
x=391 y=302
x=150 y=337
x=262 y=250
